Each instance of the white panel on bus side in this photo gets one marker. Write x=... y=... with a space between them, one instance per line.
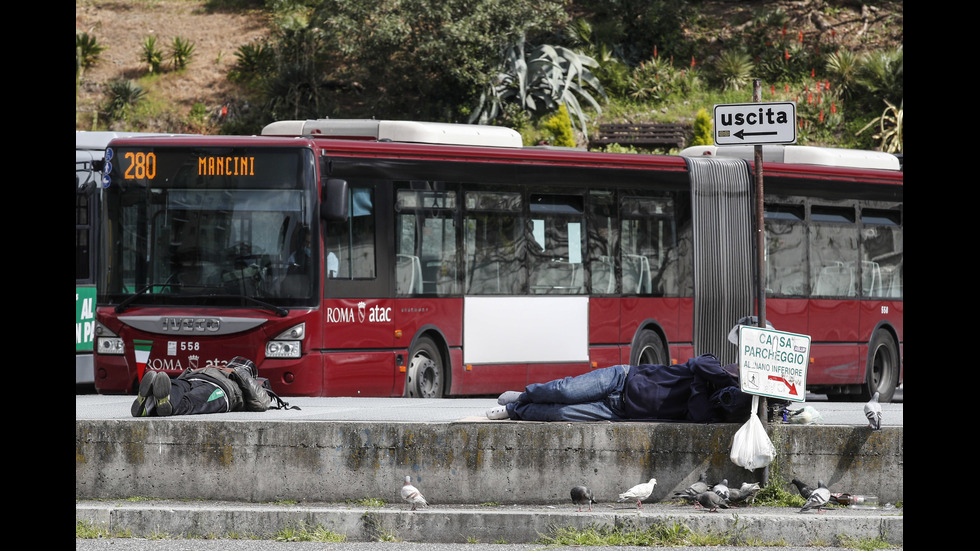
x=525 y=329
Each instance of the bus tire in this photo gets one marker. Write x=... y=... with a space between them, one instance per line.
x=648 y=350
x=426 y=376
x=882 y=367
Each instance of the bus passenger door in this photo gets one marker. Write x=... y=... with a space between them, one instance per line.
x=357 y=311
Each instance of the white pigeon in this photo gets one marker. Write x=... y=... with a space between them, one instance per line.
x=872 y=410
x=639 y=492
x=412 y=495
x=807 y=415
x=818 y=499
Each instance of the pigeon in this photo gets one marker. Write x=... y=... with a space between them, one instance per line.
x=803 y=488
x=807 y=415
x=582 y=496
x=412 y=495
x=721 y=489
x=746 y=492
x=700 y=486
x=711 y=501
x=872 y=410
x=639 y=492
x=818 y=498
x=694 y=489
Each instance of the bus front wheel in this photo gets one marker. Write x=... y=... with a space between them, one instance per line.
x=882 y=370
x=425 y=372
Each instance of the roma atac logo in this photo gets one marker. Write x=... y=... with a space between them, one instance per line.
x=365 y=314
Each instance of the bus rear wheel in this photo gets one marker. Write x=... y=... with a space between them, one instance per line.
x=649 y=350
x=425 y=371
x=882 y=370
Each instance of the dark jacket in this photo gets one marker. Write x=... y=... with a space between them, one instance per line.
x=699 y=390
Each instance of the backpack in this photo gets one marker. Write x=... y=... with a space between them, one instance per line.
x=257 y=392
x=275 y=402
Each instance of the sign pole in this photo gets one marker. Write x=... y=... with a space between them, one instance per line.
x=761 y=256
x=760 y=239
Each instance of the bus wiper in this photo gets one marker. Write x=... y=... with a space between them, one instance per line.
x=129 y=300
x=277 y=310
x=122 y=306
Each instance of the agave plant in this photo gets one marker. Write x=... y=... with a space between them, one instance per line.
x=121 y=97
x=540 y=79
x=152 y=56
x=843 y=67
x=882 y=73
x=889 y=128
x=182 y=50
x=734 y=69
x=87 y=51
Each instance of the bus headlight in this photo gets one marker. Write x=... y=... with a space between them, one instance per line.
x=111 y=346
x=288 y=344
x=107 y=342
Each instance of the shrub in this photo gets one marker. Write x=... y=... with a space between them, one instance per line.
x=702 y=128
x=559 y=126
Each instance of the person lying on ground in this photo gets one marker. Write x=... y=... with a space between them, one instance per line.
x=700 y=391
x=233 y=387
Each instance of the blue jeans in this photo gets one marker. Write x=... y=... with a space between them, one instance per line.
x=593 y=396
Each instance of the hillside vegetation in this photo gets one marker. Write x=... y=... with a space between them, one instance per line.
x=231 y=66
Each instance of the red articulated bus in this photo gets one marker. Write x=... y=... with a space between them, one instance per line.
x=397 y=258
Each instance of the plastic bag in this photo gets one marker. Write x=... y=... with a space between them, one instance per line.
x=751 y=447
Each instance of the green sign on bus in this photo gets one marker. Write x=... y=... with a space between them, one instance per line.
x=84 y=318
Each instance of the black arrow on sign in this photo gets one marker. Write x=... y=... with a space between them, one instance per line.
x=741 y=133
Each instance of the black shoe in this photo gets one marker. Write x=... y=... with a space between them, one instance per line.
x=142 y=408
x=161 y=395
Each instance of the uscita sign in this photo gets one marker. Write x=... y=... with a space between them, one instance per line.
x=755 y=123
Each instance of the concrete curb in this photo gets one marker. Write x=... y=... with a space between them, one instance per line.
x=486 y=524
x=462 y=463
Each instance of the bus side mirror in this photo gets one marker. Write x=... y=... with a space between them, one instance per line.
x=334 y=200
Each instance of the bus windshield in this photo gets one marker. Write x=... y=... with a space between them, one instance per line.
x=210 y=226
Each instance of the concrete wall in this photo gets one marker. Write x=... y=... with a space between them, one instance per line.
x=459 y=463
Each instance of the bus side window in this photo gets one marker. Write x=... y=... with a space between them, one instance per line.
x=833 y=251
x=786 y=250
x=425 y=239
x=603 y=237
x=556 y=244
x=352 y=241
x=649 y=247
x=881 y=253
x=494 y=243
